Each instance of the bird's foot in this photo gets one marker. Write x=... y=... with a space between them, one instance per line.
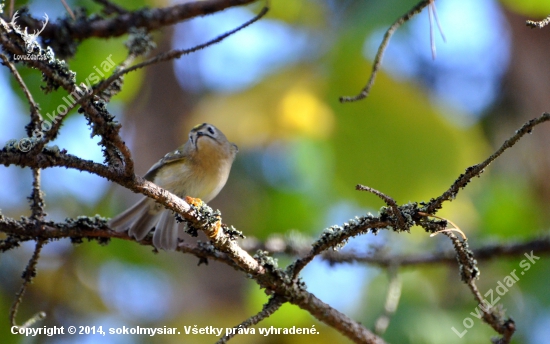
x=215 y=230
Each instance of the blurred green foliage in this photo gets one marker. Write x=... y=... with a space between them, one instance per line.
x=539 y=8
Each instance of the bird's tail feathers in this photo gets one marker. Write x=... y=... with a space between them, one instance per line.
x=166 y=232
x=138 y=219
x=141 y=218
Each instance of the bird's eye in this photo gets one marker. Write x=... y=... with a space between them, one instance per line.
x=211 y=130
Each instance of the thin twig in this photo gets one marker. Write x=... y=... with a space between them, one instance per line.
x=476 y=170
x=469 y=273
x=455 y=229
x=432 y=39
x=48 y=68
x=68 y=9
x=332 y=317
x=269 y=308
x=392 y=300
x=334 y=236
x=300 y=247
x=36 y=118
x=389 y=201
x=174 y=54
x=432 y=16
x=28 y=275
x=382 y=48
x=436 y=17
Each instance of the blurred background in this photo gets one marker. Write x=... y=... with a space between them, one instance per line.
x=273 y=89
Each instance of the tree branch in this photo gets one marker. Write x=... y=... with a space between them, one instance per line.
x=488 y=252
x=469 y=273
x=538 y=23
x=148 y=18
x=175 y=54
x=476 y=170
x=330 y=316
x=282 y=285
x=28 y=275
x=382 y=48
x=274 y=303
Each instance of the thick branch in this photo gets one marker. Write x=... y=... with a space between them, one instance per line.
x=148 y=18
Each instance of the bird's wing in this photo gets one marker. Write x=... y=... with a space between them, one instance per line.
x=167 y=159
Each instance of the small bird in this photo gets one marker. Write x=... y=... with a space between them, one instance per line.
x=198 y=169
